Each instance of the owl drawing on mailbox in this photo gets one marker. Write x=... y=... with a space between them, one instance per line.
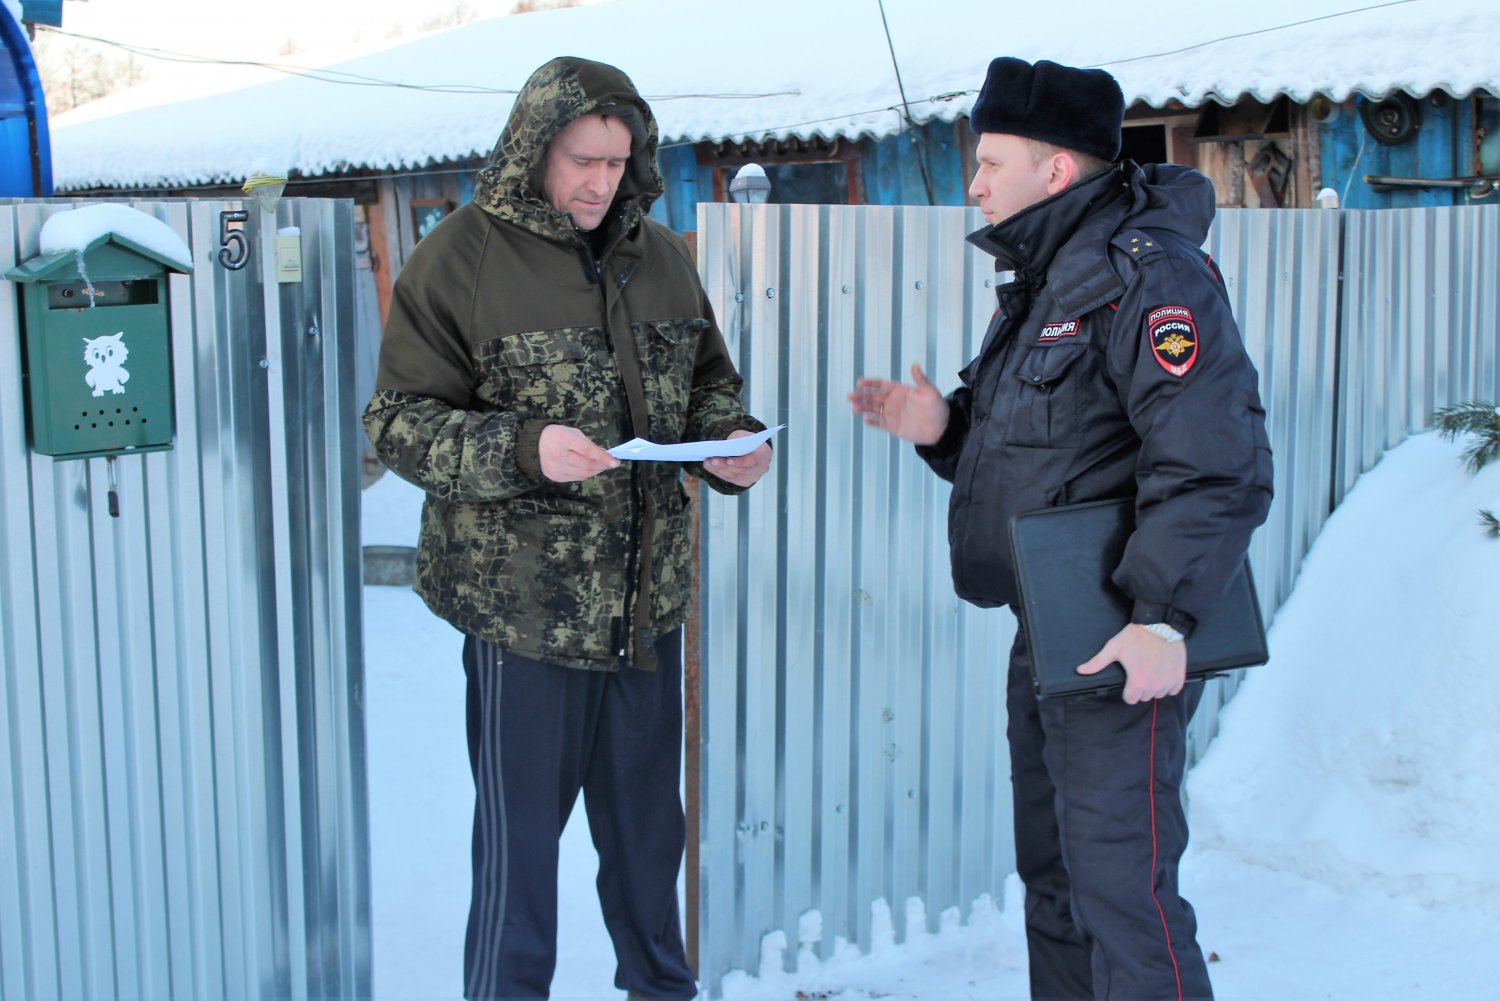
x=105 y=357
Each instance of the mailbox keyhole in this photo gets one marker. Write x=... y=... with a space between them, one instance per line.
x=83 y=295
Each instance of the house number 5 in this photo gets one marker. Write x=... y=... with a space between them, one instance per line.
x=234 y=245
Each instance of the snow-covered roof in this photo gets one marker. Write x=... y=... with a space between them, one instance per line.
x=717 y=69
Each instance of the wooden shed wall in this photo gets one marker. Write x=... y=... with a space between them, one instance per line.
x=1443 y=146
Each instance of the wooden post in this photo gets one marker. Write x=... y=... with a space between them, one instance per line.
x=1308 y=155
x=1234 y=173
x=380 y=255
x=692 y=737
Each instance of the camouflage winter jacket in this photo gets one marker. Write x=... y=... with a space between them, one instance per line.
x=504 y=321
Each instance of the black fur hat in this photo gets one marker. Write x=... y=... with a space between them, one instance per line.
x=1076 y=109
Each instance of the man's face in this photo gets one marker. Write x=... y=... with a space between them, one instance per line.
x=584 y=166
x=1008 y=180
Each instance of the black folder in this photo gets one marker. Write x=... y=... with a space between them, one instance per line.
x=1070 y=608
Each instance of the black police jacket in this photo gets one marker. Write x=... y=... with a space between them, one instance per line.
x=1112 y=368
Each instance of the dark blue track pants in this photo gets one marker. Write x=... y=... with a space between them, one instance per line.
x=538 y=734
x=1099 y=831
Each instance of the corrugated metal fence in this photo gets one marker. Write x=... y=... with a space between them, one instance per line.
x=182 y=734
x=853 y=712
x=181 y=742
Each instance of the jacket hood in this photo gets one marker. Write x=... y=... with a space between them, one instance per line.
x=1170 y=197
x=510 y=185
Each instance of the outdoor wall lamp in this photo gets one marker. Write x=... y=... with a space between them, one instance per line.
x=750 y=185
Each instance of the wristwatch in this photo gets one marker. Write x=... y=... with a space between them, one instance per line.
x=1163 y=630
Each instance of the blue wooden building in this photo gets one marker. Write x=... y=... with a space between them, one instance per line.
x=1399 y=151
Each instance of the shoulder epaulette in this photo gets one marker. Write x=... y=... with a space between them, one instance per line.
x=1137 y=244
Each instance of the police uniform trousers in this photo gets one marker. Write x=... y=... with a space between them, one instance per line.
x=538 y=734
x=1100 y=828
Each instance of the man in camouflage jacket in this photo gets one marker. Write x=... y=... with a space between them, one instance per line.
x=536 y=326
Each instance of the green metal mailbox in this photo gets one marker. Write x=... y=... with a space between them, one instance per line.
x=97 y=349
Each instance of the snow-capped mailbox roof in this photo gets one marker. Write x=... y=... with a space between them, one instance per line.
x=72 y=234
x=721 y=69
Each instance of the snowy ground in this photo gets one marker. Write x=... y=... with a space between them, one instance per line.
x=1346 y=821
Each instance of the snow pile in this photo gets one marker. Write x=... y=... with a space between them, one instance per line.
x=985 y=958
x=75 y=229
x=1365 y=754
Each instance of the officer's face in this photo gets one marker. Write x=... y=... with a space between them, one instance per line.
x=584 y=166
x=1008 y=179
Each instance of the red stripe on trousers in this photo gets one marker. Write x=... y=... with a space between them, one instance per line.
x=1151 y=793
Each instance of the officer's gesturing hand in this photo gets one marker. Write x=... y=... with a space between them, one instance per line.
x=741 y=470
x=567 y=455
x=1154 y=668
x=914 y=413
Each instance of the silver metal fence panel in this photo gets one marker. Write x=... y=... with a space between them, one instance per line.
x=28 y=943
x=1281 y=270
x=337 y=396
x=1420 y=329
x=832 y=643
x=718 y=255
x=182 y=735
x=877 y=580
x=851 y=709
x=1476 y=256
x=833 y=647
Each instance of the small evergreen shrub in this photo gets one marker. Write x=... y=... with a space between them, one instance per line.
x=1482 y=422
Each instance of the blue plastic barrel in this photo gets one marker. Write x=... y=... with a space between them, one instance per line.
x=25 y=149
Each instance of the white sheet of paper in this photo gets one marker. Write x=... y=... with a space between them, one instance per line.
x=690 y=451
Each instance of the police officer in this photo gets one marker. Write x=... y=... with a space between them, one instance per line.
x=1111 y=369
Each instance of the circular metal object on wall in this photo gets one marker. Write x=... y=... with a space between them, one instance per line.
x=1392 y=121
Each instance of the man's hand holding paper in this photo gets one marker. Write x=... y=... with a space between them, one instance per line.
x=742 y=470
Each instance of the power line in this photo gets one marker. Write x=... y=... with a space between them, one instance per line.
x=734 y=136
x=307 y=72
x=1247 y=34
x=326 y=75
x=951 y=95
